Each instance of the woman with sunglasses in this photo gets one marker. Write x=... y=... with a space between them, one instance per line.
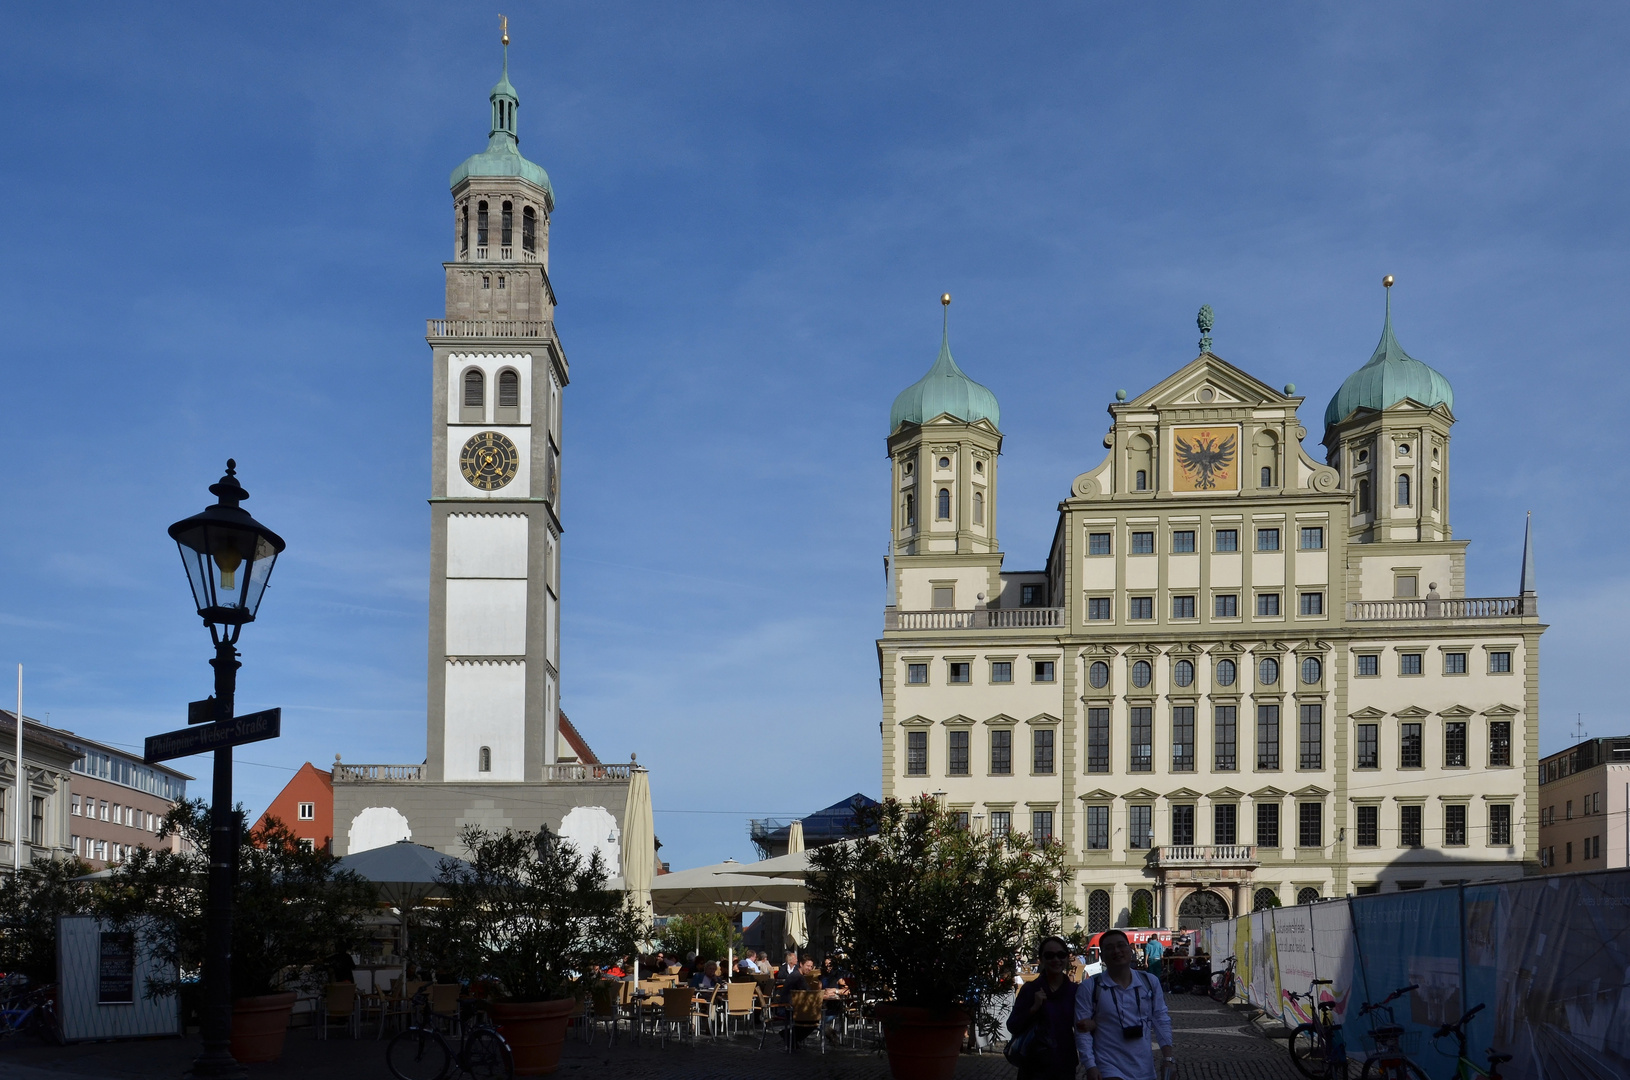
x=1048 y=1000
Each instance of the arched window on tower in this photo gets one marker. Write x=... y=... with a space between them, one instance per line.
x=485 y=762
x=529 y=229
x=473 y=410
x=1434 y=493
x=1141 y=481
x=1363 y=496
x=911 y=510
x=481 y=225
x=508 y=230
x=1266 y=448
x=509 y=397
x=1403 y=489
x=979 y=508
x=464 y=230
x=945 y=504
x=1267 y=476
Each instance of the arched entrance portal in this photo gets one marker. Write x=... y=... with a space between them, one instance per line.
x=1199 y=909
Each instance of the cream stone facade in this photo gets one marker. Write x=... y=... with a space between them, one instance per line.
x=1243 y=672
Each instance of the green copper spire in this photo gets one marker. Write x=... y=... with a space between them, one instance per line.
x=1391 y=376
x=503 y=156
x=945 y=389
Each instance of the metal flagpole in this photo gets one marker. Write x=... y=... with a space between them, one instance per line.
x=20 y=786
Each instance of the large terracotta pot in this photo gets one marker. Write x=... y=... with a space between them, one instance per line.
x=535 y=1031
x=259 y=1025
x=922 y=1045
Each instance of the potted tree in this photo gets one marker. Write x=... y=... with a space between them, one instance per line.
x=291 y=910
x=533 y=920
x=934 y=915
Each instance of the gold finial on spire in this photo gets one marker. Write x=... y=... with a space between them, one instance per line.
x=946 y=299
x=1386 y=282
x=503 y=25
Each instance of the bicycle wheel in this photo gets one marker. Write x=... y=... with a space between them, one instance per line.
x=486 y=1056
x=418 y=1054
x=1391 y=1067
x=1222 y=987
x=1310 y=1052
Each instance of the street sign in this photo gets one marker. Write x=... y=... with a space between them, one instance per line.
x=252 y=727
x=201 y=712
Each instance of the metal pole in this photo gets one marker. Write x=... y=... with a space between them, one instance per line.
x=216 y=1021
x=22 y=782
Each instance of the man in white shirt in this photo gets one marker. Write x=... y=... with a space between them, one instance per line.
x=1124 y=1007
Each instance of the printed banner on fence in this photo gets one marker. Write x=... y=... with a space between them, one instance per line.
x=1333 y=950
x=1293 y=956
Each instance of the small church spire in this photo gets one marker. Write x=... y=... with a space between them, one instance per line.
x=503 y=97
x=1528 y=586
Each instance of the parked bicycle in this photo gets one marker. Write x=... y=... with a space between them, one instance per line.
x=28 y=1011
x=1465 y=1067
x=420 y=1052
x=1317 y=1048
x=1222 y=983
x=1388 y=1060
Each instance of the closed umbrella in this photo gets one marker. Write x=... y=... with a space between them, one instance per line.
x=797 y=932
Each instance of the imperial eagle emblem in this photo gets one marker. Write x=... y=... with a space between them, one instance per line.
x=1204 y=459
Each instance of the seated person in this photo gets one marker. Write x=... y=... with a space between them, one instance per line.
x=706 y=977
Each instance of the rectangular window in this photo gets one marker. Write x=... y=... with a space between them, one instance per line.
x=1267 y=539
x=1098 y=544
x=1310 y=824
x=1313 y=539
x=1499 y=742
x=1405 y=585
x=1454 y=825
x=1224 y=823
x=1224 y=737
x=1409 y=826
x=1041 y=758
x=916 y=753
x=1409 y=746
x=1312 y=603
x=917 y=674
x=962 y=820
x=1227 y=606
x=1454 y=663
x=957 y=753
x=1029 y=595
x=1098 y=609
x=1001 y=671
x=1267 y=736
x=1143 y=543
x=1044 y=671
x=76 y=806
x=1041 y=827
x=1182 y=607
x=1001 y=752
x=1183 y=825
x=36 y=821
x=1141 y=736
x=1267 y=604
x=1183 y=540
x=1097 y=740
x=1367 y=754
x=1140 y=607
x=308 y=811
x=1499 y=663
x=1454 y=744
x=944 y=597
x=1140 y=820
x=1267 y=825
x=1001 y=822
x=1368 y=831
x=1369 y=664
x=960 y=671
x=1310 y=738
x=1183 y=738
x=1097 y=828
x=1409 y=663
x=1227 y=540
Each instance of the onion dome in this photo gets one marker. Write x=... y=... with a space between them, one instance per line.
x=945 y=389
x=502 y=157
x=1391 y=376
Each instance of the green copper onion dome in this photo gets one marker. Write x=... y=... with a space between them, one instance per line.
x=945 y=389
x=1389 y=377
x=502 y=157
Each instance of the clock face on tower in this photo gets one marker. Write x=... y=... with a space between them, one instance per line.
x=489 y=460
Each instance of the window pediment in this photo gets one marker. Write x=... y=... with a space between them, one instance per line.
x=1456 y=712
x=1044 y=720
x=1414 y=712
x=1312 y=791
x=916 y=721
x=1369 y=712
x=1183 y=793
x=1269 y=792
x=958 y=721
x=1099 y=795
x=1141 y=793
x=1501 y=711
x=1002 y=720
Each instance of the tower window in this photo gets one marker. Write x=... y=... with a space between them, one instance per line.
x=911 y=510
x=529 y=229
x=945 y=504
x=1403 y=489
x=1363 y=496
x=475 y=396
x=485 y=764
x=508 y=223
x=509 y=390
x=486 y=281
x=464 y=228
x=501 y=281
x=1267 y=476
x=1434 y=493
x=481 y=224
x=979 y=508
x=1142 y=481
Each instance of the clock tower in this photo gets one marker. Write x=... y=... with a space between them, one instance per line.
x=498 y=372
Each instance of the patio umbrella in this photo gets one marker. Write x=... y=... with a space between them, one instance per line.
x=720 y=888
x=797 y=932
x=405 y=874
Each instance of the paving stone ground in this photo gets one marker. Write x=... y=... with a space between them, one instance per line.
x=1213 y=1042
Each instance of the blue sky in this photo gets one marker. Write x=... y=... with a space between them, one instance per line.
x=226 y=236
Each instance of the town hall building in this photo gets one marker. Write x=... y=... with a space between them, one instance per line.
x=1247 y=673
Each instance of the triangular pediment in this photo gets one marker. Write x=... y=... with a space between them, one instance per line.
x=1312 y=791
x=1413 y=712
x=958 y=721
x=947 y=420
x=1044 y=719
x=1183 y=793
x=916 y=721
x=1368 y=712
x=1099 y=795
x=1209 y=371
x=1225 y=793
x=1141 y=793
x=1269 y=792
x=1501 y=710
x=1455 y=712
x=1002 y=720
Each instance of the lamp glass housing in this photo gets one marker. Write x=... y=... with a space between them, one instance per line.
x=228 y=556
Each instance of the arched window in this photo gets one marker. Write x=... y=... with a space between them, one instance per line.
x=464 y=229
x=529 y=229
x=508 y=221
x=1226 y=672
x=1267 y=476
x=481 y=223
x=945 y=504
x=1098 y=674
x=911 y=510
x=1307 y=895
x=1403 y=489
x=1312 y=670
x=475 y=397
x=485 y=765
x=1143 y=908
x=1363 y=496
x=1183 y=672
x=979 y=508
x=1141 y=483
x=1266 y=449
x=1263 y=899
x=1097 y=911
x=1434 y=493
x=509 y=397
x=1142 y=673
x=1268 y=671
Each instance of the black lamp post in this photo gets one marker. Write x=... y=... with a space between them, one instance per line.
x=229 y=557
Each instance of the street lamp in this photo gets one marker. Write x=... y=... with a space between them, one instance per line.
x=228 y=556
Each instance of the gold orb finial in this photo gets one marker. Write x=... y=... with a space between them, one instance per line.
x=1386 y=282
x=503 y=26
x=946 y=299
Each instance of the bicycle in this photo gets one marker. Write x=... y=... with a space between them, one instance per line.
x=420 y=1052
x=1388 y=1061
x=1465 y=1068
x=29 y=1012
x=1222 y=983
x=1317 y=1048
